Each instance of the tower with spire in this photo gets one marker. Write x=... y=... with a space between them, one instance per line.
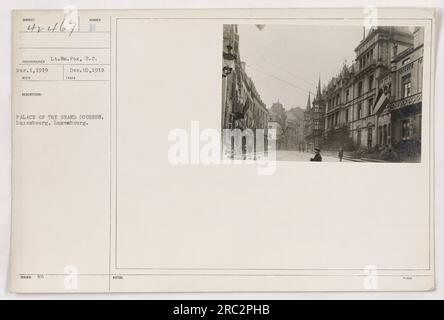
x=318 y=97
x=308 y=102
x=314 y=120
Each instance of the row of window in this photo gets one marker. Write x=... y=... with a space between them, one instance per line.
x=336 y=100
x=260 y=116
x=366 y=59
x=334 y=118
x=406 y=83
x=385 y=133
x=361 y=109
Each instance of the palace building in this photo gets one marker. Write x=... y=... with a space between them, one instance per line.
x=376 y=101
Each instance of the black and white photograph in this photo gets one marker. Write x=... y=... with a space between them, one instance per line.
x=329 y=93
x=246 y=153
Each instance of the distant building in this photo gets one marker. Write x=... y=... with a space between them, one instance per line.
x=278 y=109
x=277 y=121
x=314 y=120
x=274 y=124
x=294 y=128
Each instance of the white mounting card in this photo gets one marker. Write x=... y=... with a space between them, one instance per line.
x=223 y=150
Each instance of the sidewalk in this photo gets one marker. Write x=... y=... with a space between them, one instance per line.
x=289 y=155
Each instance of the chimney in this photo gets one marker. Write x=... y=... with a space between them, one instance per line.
x=418 y=37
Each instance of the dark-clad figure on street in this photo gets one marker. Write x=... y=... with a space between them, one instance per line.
x=317 y=156
x=341 y=154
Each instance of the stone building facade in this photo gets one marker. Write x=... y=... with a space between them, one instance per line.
x=372 y=98
x=400 y=99
x=242 y=107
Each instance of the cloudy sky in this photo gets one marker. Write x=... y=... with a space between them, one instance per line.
x=285 y=61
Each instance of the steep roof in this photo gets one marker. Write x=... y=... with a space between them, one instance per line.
x=319 y=94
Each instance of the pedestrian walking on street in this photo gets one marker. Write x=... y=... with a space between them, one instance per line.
x=341 y=154
x=317 y=156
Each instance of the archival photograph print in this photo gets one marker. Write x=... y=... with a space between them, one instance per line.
x=324 y=93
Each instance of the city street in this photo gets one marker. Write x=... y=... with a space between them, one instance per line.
x=288 y=155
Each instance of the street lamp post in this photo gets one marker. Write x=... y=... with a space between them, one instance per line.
x=229 y=59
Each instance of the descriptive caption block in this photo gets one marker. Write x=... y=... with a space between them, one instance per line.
x=48 y=120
